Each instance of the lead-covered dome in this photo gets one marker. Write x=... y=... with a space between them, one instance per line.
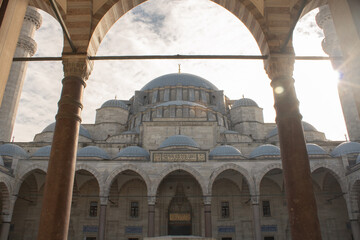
x=314 y=149
x=179 y=103
x=133 y=151
x=265 y=150
x=42 y=152
x=244 y=102
x=82 y=131
x=225 y=150
x=179 y=141
x=346 y=148
x=306 y=126
x=92 y=151
x=179 y=79
x=12 y=150
x=114 y=103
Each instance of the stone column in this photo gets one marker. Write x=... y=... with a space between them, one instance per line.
x=6 y=219
x=298 y=184
x=102 y=221
x=55 y=213
x=355 y=229
x=151 y=216
x=256 y=217
x=331 y=46
x=10 y=26
x=207 y=215
x=26 y=47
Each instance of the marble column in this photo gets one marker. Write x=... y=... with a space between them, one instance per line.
x=331 y=46
x=55 y=212
x=302 y=207
x=26 y=47
x=207 y=215
x=151 y=216
x=256 y=218
x=102 y=221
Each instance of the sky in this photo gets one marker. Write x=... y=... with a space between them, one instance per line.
x=180 y=27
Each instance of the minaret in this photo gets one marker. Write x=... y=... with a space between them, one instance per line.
x=331 y=47
x=26 y=47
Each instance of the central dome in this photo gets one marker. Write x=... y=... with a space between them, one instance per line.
x=179 y=79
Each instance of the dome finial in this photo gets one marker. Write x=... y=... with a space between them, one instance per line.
x=115 y=97
x=179 y=68
x=243 y=96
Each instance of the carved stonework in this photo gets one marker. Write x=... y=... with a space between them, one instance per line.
x=27 y=43
x=77 y=66
x=280 y=66
x=33 y=16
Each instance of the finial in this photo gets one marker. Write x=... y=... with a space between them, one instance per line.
x=115 y=97
x=179 y=68
x=243 y=96
x=13 y=139
x=346 y=139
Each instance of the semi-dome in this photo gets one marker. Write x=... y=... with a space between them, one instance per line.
x=306 y=126
x=179 y=103
x=12 y=150
x=92 y=151
x=244 y=102
x=42 y=152
x=179 y=140
x=114 y=103
x=225 y=150
x=314 y=149
x=265 y=150
x=82 y=132
x=346 y=148
x=133 y=151
x=179 y=79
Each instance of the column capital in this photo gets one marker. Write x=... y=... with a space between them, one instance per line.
x=280 y=65
x=104 y=200
x=255 y=199
x=77 y=65
x=151 y=200
x=207 y=200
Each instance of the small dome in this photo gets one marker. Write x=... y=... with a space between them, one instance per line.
x=225 y=150
x=92 y=151
x=179 y=103
x=12 y=150
x=306 y=126
x=314 y=149
x=244 y=102
x=133 y=151
x=82 y=132
x=179 y=79
x=179 y=140
x=265 y=150
x=114 y=103
x=42 y=152
x=346 y=148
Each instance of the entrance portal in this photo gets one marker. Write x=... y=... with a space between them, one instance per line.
x=179 y=213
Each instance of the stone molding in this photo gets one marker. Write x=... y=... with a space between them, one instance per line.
x=77 y=65
x=33 y=16
x=27 y=43
x=280 y=66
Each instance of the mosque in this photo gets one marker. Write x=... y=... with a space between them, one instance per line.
x=180 y=158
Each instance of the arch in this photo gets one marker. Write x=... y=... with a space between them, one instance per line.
x=109 y=180
x=94 y=172
x=333 y=171
x=263 y=172
x=353 y=198
x=25 y=173
x=45 y=6
x=244 y=10
x=5 y=189
x=172 y=168
x=309 y=6
x=231 y=166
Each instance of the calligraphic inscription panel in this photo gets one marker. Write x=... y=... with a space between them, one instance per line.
x=179 y=157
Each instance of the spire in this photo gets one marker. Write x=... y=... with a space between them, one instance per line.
x=179 y=68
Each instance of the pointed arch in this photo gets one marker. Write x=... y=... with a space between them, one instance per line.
x=333 y=171
x=26 y=172
x=6 y=191
x=231 y=166
x=260 y=175
x=172 y=168
x=93 y=171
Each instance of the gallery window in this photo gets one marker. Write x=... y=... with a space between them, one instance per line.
x=134 y=209
x=93 y=209
x=266 y=208
x=225 y=210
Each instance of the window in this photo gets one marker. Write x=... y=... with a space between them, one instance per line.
x=225 y=211
x=266 y=210
x=134 y=209
x=93 y=209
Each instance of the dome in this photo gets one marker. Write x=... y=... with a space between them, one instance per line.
x=179 y=79
x=179 y=140
x=114 y=103
x=42 y=152
x=12 y=150
x=306 y=126
x=92 y=151
x=225 y=150
x=82 y=132
x=179 y=103
x=244 y=102
x=265 y=150
x=314 y=149
x=346 y=148
x=133 y=151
